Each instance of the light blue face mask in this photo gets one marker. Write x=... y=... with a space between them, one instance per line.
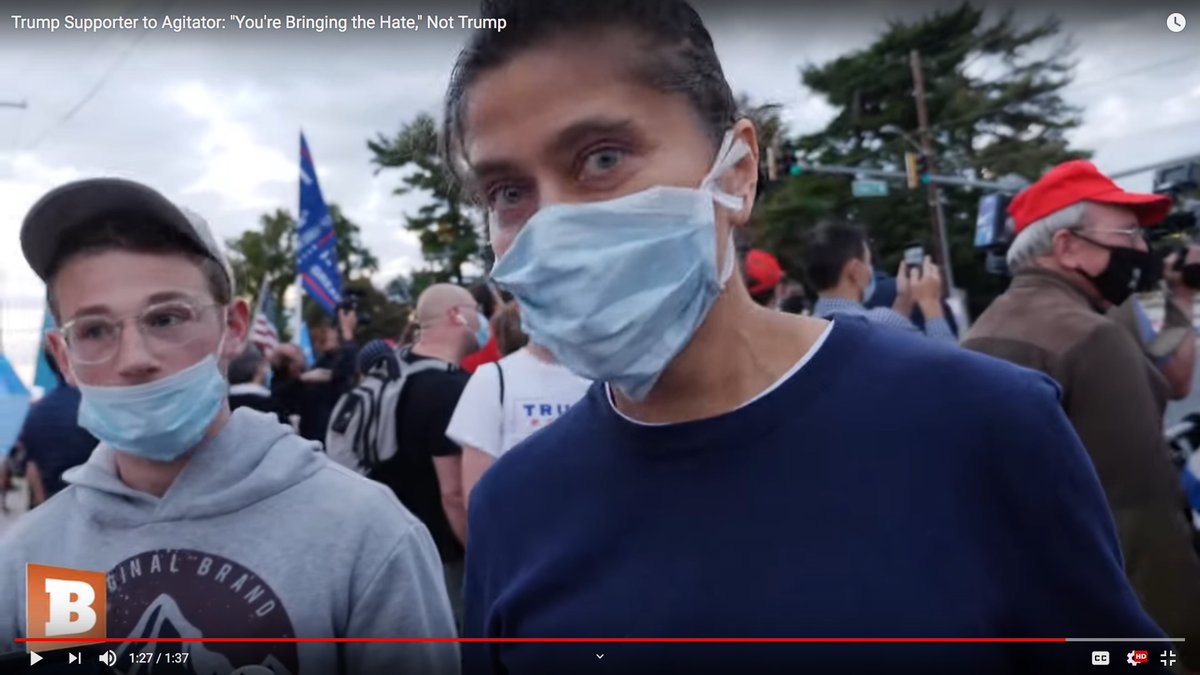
x=484 y=333
x=158 y=420
x=616 y=289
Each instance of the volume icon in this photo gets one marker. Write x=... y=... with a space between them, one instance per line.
x=108 y=658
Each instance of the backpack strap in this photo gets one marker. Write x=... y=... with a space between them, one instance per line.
x=500 y=372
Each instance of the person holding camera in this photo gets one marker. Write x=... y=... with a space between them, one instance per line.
x=838 y=262
x=1172 y=347
x=333 y=374
x=1080 y=250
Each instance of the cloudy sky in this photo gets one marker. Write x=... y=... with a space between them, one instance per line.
x=211 y=118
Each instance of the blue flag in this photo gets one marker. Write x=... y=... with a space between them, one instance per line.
x=14 y=404
x=44 y=377
x=316 y=248
x=305 y=343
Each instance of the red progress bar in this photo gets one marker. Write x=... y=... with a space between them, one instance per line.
x=605 y=640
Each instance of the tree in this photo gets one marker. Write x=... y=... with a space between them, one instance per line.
x=446 y=226
x=993 y=92
x=354 y=258
x=270 y=253
x=400 y=290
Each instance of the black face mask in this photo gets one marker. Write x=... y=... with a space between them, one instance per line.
x=1129 y=271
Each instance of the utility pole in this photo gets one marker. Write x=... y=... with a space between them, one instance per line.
x=941 y=244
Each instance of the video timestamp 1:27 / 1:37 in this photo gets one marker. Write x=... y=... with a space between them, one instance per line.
x=157 y=658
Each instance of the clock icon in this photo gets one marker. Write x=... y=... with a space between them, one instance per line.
x=1176 y=22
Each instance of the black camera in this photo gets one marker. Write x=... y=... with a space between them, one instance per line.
x=1178 y=230
x=993 y=232
x=352 y=300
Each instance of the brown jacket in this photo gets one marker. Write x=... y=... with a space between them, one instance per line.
x=1115 y=398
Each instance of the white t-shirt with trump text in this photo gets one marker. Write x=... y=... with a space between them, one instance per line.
x=535 y=394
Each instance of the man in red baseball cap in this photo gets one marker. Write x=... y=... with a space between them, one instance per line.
x=763 y=274
x=1079 y=251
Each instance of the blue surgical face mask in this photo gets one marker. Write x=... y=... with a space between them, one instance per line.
x=484 y=333
x=616 y=289
x=158 y=420
x=870 y=289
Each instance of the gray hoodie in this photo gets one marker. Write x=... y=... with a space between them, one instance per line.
x=260 y=537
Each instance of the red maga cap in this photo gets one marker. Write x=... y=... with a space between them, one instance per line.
x=762 y=271
x=1076 y=181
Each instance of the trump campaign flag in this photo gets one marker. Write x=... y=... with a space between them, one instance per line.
x=316 y=247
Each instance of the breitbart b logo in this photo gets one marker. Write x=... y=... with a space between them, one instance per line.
x=64 y=603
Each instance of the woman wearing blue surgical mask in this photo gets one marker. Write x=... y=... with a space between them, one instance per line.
x=717 y=481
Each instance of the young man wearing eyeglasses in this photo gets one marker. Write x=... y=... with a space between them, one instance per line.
x=208 y=523
x=1079 y=251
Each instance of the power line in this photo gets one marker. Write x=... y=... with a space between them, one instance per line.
x=1136 y=71
x=1106 y=80
x=91 y=92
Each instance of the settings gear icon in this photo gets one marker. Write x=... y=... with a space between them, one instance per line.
x=1132 y=661
x=1138 y=657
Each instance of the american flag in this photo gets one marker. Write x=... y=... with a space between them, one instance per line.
x=262 y=332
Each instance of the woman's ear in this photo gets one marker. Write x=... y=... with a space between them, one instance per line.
x=742 y=178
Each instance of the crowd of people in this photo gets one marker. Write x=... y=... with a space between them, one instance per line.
x=631 y=430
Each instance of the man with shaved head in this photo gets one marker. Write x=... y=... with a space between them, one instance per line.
x=426 y=472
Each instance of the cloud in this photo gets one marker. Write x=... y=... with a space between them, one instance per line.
x=236 y=164
x=23 y=179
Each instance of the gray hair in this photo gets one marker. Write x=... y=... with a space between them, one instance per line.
x=245 y=367
x=1037 y=240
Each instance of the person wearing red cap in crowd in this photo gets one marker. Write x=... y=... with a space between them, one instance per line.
x=763 y=274
x=1079 y=250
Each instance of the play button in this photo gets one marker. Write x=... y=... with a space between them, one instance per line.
x=34 y=657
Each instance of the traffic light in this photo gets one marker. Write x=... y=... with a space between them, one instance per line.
x=912 y=170
x=784 y=162
x=916 y=166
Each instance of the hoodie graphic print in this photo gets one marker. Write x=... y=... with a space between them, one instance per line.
x=260 y=536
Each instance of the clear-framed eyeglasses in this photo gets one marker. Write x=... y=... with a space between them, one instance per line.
x=164 y=327
x=1134 y=234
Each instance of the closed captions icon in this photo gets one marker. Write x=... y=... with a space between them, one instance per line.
x=1176 y=22
x=1099 y=658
